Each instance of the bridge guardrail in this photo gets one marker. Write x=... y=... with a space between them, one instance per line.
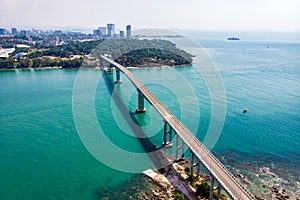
x=161 y=108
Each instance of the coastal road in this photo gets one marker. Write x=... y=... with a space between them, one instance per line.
x=216 y=168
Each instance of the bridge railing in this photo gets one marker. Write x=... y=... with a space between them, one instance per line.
x=208 y=153
x=154 y=101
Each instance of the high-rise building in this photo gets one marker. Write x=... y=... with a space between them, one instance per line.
x=122 y=34
x=96 y=32
x=23 y=32
x=2 y=31
x=128 y=31
x=102 y=31
x=110 y=30
x=14 y=31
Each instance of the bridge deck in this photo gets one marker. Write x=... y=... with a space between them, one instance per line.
x=216 y=168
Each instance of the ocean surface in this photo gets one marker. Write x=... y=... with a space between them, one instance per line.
x=47 y=140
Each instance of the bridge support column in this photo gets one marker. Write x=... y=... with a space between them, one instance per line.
x=110 y=69
x=219 y=191
x=101 y=64
x=140 y=108
x=194 y=164
x=181 y=148
x=118 y=76
x=167 y=134
x=211 y=192
x=105 y=66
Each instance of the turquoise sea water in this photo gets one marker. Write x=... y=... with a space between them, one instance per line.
x=42 y=156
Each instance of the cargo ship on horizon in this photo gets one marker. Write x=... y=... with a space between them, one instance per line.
x=233 y=38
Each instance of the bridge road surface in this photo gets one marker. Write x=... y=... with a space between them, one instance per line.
x=216 y=168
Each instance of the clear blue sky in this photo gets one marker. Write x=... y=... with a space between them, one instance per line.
x=264 y=15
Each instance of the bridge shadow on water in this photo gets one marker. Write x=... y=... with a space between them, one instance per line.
x=156 y=156
x=159 y=160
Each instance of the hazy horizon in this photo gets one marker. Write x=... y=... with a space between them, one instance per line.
x=231 y=15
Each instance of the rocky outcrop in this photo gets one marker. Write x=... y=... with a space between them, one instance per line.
x=242 y=177
x=267 y=171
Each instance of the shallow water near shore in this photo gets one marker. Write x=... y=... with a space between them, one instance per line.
x=42 y=156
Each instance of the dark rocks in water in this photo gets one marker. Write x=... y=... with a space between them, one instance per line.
x=279 y=192
x=267 y=171
x=245 y=180
x=258 y=197
x=241 y=176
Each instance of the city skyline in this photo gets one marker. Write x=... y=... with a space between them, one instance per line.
x=266 y=15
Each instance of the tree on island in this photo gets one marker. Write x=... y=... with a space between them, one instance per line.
x=130 y=52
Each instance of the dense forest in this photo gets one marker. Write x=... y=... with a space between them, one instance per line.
x=135 y=52
x=148 y=57
x=129 y=52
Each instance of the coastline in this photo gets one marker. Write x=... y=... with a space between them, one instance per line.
x=263 y=182
x=97 y=68
x=249 y=166
x=29 y=68
x=44 y=68
x=157 y=66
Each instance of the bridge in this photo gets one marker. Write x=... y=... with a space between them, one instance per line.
x=199 y=153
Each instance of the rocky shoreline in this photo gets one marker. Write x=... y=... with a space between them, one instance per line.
x=276 y=190
x=264 y=174
x=176 y=183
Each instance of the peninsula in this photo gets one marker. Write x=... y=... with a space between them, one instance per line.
x=129 y=52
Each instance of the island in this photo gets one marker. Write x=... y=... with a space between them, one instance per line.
x=128 y=52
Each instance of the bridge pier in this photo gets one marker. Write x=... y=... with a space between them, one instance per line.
x=234 y=189
x=118 y=76
x=101 y=64
x=181 y=148
x=141 y=108
x=211 y=192
x=109 y=69
x=194 y=164
x=105 y=66
x=219 y=191
x=167 y=134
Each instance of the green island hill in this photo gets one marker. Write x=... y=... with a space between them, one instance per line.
x=128 y=52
